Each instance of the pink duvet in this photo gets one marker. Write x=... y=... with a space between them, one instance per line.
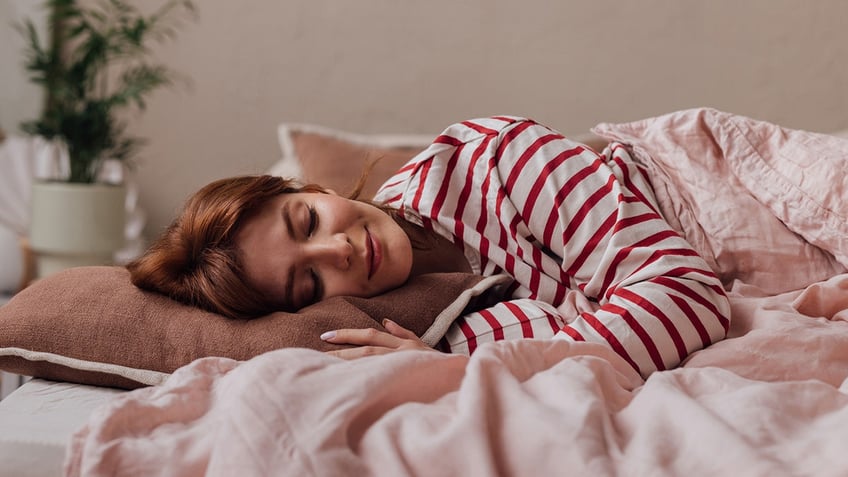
x=771 y=399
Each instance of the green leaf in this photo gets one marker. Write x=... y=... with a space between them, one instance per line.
x=94 y=65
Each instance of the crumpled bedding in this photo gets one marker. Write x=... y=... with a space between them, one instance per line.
x=771 y=399
x=750 y=196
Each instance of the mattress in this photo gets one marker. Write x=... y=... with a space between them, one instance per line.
x=37 y=421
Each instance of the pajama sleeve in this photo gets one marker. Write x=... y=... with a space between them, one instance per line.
x=645 y=291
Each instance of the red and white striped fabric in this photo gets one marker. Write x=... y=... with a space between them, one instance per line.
x=569 y=226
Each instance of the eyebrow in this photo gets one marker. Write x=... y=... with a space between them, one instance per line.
x=287 y=219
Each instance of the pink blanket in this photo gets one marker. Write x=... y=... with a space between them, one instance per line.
x=768 y=401
x=771 y=399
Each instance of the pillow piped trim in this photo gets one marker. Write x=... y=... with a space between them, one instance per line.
x=142 y=376
x=454 y=310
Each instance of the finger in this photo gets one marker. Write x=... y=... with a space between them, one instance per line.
x=361 y=352
x=362 y=337
x=399 y=331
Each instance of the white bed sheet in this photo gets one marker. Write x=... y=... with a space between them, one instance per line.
x=37 y=421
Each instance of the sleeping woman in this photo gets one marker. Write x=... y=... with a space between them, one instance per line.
x=579 y=233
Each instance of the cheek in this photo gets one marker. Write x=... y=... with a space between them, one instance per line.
x=402 y=257
x=335 y=285
x=345 y=206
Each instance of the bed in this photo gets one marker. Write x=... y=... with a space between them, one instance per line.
x=763 y=204
x=37 y=421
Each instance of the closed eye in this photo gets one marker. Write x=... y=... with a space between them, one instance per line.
x=313 y=222
x=317 y=287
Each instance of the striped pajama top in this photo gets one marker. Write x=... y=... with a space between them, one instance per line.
x=579 y=233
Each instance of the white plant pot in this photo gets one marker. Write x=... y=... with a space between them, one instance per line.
x=75 y=225
x=15 y=266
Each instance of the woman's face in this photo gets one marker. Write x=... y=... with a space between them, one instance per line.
x=305 y=247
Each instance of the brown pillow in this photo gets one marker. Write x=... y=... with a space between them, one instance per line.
x=336 y=159
x=90 y=325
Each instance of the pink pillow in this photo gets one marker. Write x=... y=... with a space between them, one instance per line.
x=336 y=159
x=763 y=204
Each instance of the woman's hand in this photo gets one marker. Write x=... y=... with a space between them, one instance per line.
x=373 y=342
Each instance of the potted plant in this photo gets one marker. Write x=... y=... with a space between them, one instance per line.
x=94 y=68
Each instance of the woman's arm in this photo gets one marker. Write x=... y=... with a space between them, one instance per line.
x=657 y=300
x=564 y=222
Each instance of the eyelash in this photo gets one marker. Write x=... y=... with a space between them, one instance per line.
x=316 y=287
x=316 y=282
x=313 y=221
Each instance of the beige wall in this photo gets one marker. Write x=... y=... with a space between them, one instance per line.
x=19 y=99
x=416 y=66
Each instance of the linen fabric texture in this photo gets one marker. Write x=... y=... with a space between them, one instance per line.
x=91 y=325
x=336 y=159
x=735 y=187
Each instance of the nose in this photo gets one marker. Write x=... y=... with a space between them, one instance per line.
x=334 y=250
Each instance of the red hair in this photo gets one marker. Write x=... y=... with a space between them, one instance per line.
x=195 y=261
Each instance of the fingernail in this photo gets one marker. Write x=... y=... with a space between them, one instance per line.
x=386 y=322
x=328 y=335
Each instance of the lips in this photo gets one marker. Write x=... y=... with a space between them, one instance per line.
x=373 y=254
x=369 y=253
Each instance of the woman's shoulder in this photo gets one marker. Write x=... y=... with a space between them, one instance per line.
x=430 y=170
x=474 y=129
